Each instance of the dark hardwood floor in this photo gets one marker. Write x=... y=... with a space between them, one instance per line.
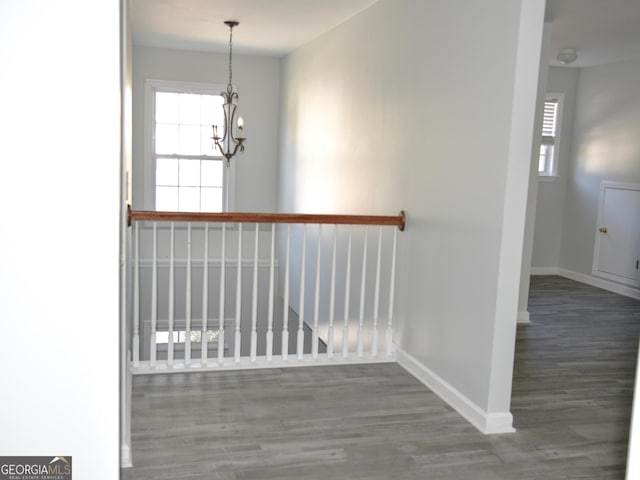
x=572 y=394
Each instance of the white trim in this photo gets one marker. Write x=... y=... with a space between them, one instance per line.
x=523 y=317
x=261 y=362
x=125 y=456
x=619 y=185
x=633 y=450
x=544 y=270
x=125 y=415
x=125 y=435
x=601 y=283
x=487 y=423
x=614 y=278
x=589 y=280
x=548 y=178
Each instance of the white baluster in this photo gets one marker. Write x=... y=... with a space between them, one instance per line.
x=187 y=337
x=392 y=285
x=271 y=293
x=223 y=264
x=170 y=351
x=236 y=350
x=285 y=321
x=154 y=297
x=347 y=299
x=332 y=298
x=362 y=294
x=376 y=302
x=136 y=295
x=205 y=298
x=316 y=307
x=300 y=343
x=254 y=311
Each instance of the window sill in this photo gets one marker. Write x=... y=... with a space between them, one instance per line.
x=548 y=178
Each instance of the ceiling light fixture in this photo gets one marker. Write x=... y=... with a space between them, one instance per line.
x=228 y=143
x=567 y=55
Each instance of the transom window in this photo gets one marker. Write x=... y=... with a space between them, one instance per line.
x=189 y=174
x=548 y=161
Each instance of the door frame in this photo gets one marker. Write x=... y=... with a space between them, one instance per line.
x=596 y=250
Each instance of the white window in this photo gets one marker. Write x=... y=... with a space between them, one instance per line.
x=185 y=171
x=549 y=146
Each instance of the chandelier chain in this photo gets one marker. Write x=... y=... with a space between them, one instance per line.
x=230 y=52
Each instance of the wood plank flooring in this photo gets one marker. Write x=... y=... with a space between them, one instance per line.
x=572 y=394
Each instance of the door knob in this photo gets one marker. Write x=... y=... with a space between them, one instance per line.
x=603 y=229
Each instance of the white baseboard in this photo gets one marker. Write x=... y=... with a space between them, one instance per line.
x=544 y=270
x=125 y=456
x=589 y=280
x=523 y=317
x=486 y=423
x=601 y=283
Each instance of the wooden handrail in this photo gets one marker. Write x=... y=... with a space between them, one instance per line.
x=397 y=220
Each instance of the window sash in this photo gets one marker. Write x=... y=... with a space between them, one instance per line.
x=224 y=188
x=547 y=160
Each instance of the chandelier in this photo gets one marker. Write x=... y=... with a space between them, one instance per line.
x=228 y=143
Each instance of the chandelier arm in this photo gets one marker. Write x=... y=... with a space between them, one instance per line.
x=239 y=144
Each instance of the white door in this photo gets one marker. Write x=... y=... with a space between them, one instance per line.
x=617 y=253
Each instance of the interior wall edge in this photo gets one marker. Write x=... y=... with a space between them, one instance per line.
x=485 y=422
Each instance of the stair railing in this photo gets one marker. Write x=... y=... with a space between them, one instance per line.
x=257 y=302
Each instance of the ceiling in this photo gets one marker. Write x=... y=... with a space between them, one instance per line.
x=602 y=31
x=267 y=27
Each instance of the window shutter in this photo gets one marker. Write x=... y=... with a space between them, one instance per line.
x=549 y=120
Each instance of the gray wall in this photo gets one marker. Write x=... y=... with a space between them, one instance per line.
x=552 y=190
x=391 y=111
x=605 y=146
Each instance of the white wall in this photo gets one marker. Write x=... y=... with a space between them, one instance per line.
x=391 y=110
x=60 y=115
x=552 y=190
x=606 y=146
x=257 y=80
x=527 y=248
x=126 y=303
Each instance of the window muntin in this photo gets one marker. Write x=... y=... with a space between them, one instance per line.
x=187 y=173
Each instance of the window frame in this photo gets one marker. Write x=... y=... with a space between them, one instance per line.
x=151 y=86
x=551 y=164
